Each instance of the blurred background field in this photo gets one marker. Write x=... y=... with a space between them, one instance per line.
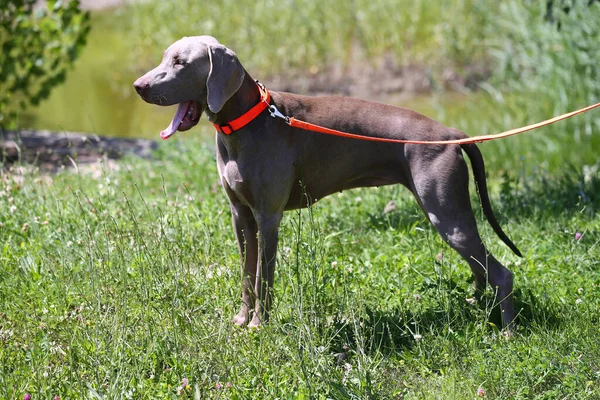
x=480 y=66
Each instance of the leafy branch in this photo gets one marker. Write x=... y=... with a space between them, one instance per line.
x=38 y=44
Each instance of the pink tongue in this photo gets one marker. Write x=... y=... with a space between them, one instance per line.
x=176 y=121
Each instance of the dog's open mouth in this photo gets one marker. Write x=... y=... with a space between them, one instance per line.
x=186 y=116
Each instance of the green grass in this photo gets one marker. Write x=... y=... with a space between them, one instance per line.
x=119 y=280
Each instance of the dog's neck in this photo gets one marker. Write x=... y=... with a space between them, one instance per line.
x=246 y=97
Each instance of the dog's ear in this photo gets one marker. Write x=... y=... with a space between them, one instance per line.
x=224 y=78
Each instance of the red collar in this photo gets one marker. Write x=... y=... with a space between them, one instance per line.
x=249 y=115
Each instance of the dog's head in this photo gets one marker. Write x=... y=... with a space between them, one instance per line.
x=197 y=73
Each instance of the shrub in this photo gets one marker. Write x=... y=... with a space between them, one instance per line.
x=38 y=45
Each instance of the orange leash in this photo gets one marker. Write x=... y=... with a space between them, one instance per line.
x=477 y=139
x=265 y=100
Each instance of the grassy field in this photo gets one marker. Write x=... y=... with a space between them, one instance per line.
x=119 y=280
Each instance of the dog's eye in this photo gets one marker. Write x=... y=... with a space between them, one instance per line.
x=178 y=61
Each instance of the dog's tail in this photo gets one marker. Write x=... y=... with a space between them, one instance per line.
x=481 y=184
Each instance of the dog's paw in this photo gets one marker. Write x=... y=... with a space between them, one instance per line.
x=255 y=323
x=241 y=319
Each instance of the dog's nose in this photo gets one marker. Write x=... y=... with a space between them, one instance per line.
x=141 y=85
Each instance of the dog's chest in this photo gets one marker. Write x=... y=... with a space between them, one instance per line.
x=227 y=165
x=235 y=183
x=231 y=175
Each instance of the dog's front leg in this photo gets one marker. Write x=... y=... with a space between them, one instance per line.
x=245 y=233
x=268 y=228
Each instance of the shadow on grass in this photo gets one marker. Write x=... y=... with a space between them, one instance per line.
x=401 y=219
x=540 y=194
x=536 y=311
x=393 y=330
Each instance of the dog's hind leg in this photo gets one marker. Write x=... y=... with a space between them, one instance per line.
x=444 y=196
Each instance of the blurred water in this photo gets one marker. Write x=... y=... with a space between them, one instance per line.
x=98 y=95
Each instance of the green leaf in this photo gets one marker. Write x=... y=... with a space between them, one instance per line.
x=37 y=48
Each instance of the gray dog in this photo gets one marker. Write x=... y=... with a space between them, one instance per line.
x=268 y=167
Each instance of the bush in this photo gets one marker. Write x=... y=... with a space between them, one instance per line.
x=38 y=45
